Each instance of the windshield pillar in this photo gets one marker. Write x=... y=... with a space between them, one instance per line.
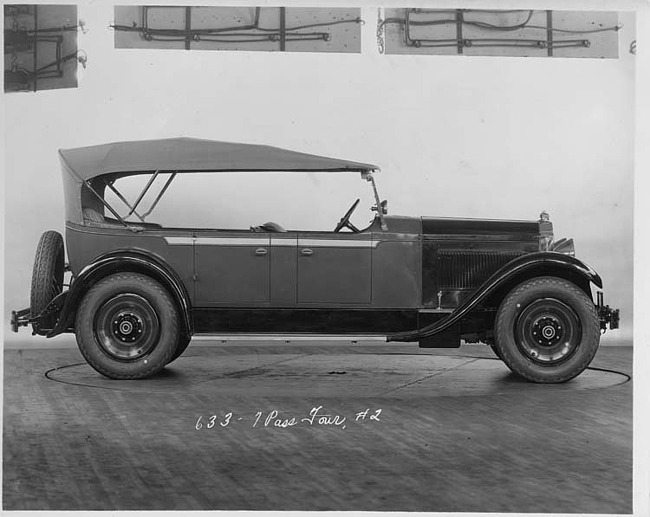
x=379 y=206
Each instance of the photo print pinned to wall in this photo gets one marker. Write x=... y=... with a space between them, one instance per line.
x=490 y=32
x=290 y=29
x=40 y=47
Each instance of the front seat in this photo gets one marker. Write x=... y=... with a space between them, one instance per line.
x=269 y=227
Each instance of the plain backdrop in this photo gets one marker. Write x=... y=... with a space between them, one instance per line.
x=487 y=137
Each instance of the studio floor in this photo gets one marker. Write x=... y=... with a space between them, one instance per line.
x=242 y=426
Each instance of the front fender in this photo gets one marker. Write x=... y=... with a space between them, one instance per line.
x=540 y=264
x=123 y=261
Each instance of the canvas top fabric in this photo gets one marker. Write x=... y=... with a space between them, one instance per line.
x=195 y=155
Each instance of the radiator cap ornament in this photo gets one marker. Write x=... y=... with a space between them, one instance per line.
x=544 y=217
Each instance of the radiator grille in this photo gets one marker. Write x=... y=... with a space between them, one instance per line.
x=466 y=269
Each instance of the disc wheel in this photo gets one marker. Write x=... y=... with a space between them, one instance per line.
x=547 y=330
x=127 y=326
x=47 y=278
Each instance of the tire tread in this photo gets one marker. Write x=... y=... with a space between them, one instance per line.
x=508 y=305
x=50 y=247
x=164 y=298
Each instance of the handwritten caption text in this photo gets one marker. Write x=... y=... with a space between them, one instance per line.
x=317 y=417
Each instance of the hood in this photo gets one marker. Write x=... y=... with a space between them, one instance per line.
x=446 y=226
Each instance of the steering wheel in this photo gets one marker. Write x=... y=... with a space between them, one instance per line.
x=345 y=220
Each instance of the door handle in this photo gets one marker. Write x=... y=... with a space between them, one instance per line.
x=260 y=252
x=306 y=251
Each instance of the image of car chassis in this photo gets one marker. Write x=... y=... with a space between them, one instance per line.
x=139 y=291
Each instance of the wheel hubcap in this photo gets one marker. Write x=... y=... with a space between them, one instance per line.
x=127 y=327
x=548 y=331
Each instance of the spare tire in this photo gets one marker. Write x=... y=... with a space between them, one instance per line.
x=47 y=278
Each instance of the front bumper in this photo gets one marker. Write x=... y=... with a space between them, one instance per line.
x=609 y=318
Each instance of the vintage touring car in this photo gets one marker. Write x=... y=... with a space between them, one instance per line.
x=139 y=291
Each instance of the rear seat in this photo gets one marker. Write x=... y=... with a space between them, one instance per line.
x=97 y=219
x=92 y=215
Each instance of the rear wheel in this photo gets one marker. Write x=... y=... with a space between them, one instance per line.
x=181 y=346
x=127 y=326
x=47 y=278
x=547 y=330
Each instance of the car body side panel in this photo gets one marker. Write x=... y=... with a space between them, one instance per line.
x=232 y=268
x=334 y=268
x=172 y=247
x=284 y=269
x=396 y=263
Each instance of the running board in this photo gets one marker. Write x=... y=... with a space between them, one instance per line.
x=287 y=337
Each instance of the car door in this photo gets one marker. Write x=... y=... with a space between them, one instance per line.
x=284 y=269
x=232 y=268
x=334 y=268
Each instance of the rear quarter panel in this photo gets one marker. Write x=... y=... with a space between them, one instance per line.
x=84 y=244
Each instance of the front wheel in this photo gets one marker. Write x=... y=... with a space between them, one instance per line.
x=127 y=326
x=496 y=351
x=547 y=330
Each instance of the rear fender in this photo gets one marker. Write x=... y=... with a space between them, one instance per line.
x=514 y=272
x=120 y=262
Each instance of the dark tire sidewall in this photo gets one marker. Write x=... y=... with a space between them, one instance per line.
x=183 y=343
x=162 y=304
x=533 y=290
